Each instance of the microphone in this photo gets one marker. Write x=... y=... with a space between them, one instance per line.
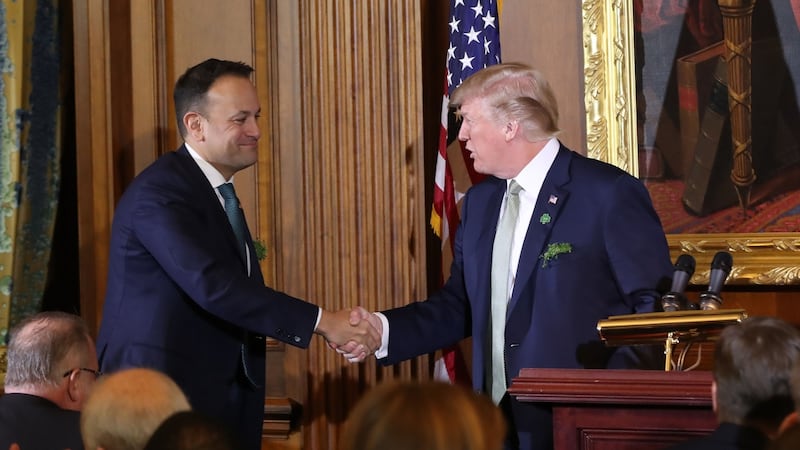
x=674 y=299
x=720 y=268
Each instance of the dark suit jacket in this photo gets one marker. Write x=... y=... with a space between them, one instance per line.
x=37 y=423
x=179 y=298
x=619 y=257
x=727 y=436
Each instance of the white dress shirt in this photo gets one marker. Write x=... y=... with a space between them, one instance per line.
x=531 y=178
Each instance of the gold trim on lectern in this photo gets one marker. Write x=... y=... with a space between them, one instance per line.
x=667 y=327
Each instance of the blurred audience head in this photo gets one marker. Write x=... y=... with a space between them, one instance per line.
x=753 y=363
x=126 y=407
x=52 y=355
x=191 y=430
x=426 y=415
x=793 y=419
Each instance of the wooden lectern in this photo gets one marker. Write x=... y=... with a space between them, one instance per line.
x=620 y=409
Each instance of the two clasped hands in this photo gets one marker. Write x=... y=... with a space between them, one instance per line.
x=355 y=334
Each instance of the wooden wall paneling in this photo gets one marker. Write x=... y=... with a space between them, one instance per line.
x=346 y=139
x=95 y=170
x=434 y=15
x=213 y=29
x=264 y=43
x=547 y=35
x=153 y=122
x=286 y=257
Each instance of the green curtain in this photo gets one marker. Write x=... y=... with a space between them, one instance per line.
x=30 y=95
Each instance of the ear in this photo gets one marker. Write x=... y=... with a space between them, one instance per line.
x=194 y=124
x=714 y=396
x=789 y=421
x=73 y=391
x=76 y=391
x=511 y=129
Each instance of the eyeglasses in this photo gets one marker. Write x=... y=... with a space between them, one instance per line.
x=96 y=373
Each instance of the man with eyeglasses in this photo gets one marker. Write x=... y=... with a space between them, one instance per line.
x=52 y=366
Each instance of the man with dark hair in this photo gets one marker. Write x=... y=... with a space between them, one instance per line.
x=185 y=292
x=751 y=390
x=52 y=366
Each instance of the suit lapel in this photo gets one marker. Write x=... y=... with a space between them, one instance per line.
x=551 y=200
x=210 y=198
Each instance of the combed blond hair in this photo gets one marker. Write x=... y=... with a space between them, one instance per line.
x=126 y=407
x=423 y=416
x=513 y=91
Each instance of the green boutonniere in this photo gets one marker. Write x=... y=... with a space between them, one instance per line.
x=545 y=219
x=261 y=249
x=553 y=250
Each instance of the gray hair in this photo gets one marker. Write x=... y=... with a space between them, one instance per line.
x=43 y=345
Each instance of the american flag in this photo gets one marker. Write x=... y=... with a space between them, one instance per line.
x=474 y=44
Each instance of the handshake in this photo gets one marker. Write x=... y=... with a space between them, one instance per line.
x=355 y=334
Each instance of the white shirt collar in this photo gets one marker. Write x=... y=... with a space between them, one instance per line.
x=214 y=177
x=532 y=176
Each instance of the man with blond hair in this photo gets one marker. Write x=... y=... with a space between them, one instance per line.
x=52 y=366
x=126 y=407
x=548 y=244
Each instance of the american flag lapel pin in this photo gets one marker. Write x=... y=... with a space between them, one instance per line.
x=553 y=199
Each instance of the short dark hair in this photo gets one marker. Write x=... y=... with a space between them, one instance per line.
x=753 y=362
x=192 y=87
x=41 y=347
x=191 y=430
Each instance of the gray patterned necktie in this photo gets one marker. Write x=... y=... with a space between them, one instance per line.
x=234 y=212
x=236 y=218
x=501 y=266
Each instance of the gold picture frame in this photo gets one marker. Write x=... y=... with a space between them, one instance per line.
x=759 y=258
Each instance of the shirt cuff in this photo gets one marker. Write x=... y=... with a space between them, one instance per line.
x=383 y=351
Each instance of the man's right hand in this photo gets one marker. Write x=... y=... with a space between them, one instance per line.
x=355 y=333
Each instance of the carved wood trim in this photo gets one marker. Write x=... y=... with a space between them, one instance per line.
x=95 y=162
x=613 y=386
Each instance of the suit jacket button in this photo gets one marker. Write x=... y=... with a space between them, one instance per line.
x=297 y=338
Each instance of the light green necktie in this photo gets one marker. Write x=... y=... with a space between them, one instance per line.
x=501 y=266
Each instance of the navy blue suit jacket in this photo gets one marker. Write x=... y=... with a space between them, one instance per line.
x=619 y=257
x=179 y=299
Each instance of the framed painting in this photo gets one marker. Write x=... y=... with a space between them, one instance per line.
x=642 y=130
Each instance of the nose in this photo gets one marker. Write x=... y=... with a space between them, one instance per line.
x=252 y=128
x=463 y=132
